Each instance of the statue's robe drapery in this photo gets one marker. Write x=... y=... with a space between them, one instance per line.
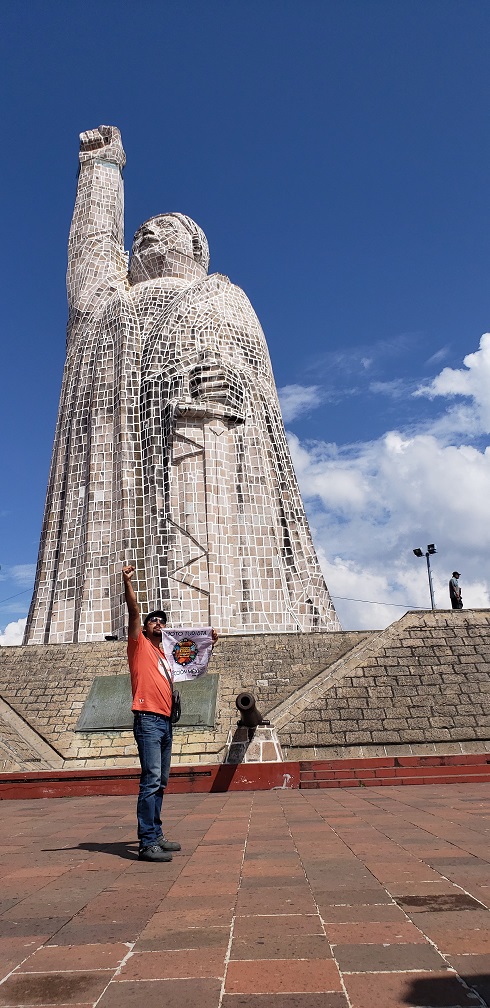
x=225 y=529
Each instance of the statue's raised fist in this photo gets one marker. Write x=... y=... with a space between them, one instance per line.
x=102 y=143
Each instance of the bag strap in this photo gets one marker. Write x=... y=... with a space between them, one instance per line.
x=167 y=675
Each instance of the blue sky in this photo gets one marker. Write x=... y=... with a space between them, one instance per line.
x=335 y=153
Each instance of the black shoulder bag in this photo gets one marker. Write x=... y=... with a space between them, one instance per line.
x=176 y=705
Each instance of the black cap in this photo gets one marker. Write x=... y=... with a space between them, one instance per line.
x=156 y=612
x=456 y=574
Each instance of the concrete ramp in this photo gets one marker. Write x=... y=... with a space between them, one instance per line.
x=22 y=748
x=304 y=697
x=419 y=687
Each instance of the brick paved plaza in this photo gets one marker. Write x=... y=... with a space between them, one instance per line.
x=316 y=899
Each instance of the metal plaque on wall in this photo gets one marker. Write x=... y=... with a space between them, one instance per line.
x=108 y=704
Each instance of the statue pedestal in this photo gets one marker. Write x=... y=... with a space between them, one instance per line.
x=253 y=745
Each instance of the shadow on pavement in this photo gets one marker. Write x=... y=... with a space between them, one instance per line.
x=443 y=991
x=224 y=777
x=122 y=850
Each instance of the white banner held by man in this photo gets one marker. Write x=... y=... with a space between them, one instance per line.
x=187 y=652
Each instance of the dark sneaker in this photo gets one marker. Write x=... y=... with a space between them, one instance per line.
x=154 y=853
x=168 y=845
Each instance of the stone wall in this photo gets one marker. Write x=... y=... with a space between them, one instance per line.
x=420 y=686
x=46 y=685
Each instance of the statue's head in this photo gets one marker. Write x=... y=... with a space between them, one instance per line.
x=169 y=245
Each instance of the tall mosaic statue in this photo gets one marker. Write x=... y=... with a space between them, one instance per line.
x=170 y=451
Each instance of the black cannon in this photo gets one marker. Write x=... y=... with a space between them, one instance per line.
x=250 y=716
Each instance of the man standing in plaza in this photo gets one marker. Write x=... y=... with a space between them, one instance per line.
x=151 y=684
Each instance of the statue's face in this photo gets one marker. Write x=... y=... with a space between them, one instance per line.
x=160 y=235
x=162 y=246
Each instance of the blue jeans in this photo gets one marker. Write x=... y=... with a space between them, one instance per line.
x=153 y=734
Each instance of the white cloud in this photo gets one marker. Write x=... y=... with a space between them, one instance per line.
x=20 y=574
x=13 y=633
x=473 y=382
x=297 y=399
x=355 y=587
x=397 y=388
x=438 y=356
x=348 y=360
x=371 y=504
x=323 y=472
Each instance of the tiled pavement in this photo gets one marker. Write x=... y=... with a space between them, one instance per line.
x=279 y=899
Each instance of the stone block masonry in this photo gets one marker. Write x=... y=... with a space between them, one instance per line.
x=47 y=686
x=419 y=687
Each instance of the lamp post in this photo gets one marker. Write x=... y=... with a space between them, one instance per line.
x=430 y=552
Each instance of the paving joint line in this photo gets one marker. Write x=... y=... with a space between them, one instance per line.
x=234 y=915
x=321 y=919
x=444 y=956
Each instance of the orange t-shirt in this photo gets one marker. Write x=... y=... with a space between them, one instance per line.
x=151 y=689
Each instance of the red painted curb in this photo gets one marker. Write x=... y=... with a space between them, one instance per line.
x=204 y=779
x=183 y=780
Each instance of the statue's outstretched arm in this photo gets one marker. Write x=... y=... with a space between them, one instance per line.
x=96 y=262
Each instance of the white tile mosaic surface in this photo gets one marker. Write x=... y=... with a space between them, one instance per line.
x=170 y=450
